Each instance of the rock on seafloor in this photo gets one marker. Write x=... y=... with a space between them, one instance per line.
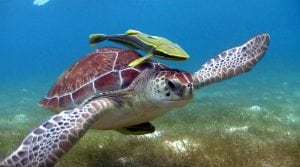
x=152 y=135
x=255 y=108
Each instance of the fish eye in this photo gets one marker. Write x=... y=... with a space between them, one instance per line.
x=153 y=37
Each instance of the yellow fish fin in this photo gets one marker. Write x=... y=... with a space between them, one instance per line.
x=96 y=38
x=132 y=32
x=140 y=60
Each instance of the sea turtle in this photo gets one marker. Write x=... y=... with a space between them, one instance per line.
x=154 y=45
x=100 y=91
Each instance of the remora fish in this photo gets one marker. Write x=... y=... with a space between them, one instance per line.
x=153 y=45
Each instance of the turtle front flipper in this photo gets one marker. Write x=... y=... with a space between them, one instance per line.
x=232 y=62
x=51 y=140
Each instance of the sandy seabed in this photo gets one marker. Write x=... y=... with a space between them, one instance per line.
x=236 y=123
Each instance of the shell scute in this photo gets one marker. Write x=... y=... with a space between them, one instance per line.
x=103 y=70
x=64 y=100
x=108 y=82
x=82 y=92
x=127 y=76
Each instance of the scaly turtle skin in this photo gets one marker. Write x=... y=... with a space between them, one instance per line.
x=123 y=100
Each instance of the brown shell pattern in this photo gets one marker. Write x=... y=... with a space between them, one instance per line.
x=105 y=69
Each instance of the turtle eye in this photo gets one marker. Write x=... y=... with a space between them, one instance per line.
x=173 y=85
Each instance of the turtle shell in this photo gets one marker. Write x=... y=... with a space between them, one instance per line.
x=105 y=69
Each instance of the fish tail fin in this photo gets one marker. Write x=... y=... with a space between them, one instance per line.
x=97 y=38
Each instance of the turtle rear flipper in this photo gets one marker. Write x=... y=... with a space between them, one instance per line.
x=51 y=140
x=232 y=62
x=139 y=129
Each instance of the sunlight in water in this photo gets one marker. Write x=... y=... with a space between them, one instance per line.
x=40 y=2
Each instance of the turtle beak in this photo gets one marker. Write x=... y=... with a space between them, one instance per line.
x=185 y=92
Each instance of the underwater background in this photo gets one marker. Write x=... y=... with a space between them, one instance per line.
x=250 y=120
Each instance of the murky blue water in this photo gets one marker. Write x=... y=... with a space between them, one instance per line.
x=37 y=43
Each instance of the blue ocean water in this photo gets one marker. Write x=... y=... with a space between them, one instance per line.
x=44 y=40
x=39 y=42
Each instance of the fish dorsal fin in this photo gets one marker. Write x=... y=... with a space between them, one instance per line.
x=132 y=32
x=139 y=129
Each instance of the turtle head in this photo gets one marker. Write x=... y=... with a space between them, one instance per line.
x=171 y=86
